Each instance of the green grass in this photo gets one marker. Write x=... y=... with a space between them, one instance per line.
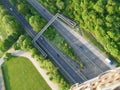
x=57 y=40
x=20 y=74
x=1 y=53
x=62 y=45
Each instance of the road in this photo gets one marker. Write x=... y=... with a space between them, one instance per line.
x=20 y=18
x=89 y=55
x=63 y=66
x=2 y=85
x=60 y=60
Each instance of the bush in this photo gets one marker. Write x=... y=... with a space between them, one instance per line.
x=8 y=56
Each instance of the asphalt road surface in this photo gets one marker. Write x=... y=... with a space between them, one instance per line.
x=57 y=57
x=94 y=64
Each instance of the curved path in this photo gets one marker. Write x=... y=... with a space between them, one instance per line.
x=2 y=87
x=43 y=72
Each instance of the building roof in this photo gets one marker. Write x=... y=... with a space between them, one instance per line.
x=109 y=80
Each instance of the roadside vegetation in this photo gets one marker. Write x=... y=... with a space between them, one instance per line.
x=97 y=44
x=20 y=74
x=10 y=30
x=99 y=18
x=24 y=43
x=37 y=22
x=58 y=41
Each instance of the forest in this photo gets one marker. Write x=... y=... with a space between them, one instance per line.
x=14 y=36
x=101 y=18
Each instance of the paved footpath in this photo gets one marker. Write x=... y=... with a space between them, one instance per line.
x=2 y=87
x=1 y=81
x=43 y=72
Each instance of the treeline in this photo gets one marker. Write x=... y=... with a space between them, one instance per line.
x=99 y=17
x=37 y=22
x=58 y=41
x=10 y=29
x=102 y=19
x=24 y=41
x=30 y=14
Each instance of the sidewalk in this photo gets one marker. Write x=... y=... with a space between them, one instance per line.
x=43 y=72
x=2 y=87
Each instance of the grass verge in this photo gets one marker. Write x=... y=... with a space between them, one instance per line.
x=58 y=41
x=20 y=74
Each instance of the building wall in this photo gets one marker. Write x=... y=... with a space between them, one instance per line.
x=105 y=80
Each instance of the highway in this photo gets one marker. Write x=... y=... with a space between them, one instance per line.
x=58 y=59
x=89 y=55
x=67 y=21
x=31 y=33
x=27 y=27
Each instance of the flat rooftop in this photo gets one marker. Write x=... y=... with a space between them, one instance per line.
x=109 y=80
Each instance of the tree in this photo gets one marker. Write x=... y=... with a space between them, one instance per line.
x=13 y=2
x=8 y=56
x=99 y=6
x=60 y=4
x=36 y=22
x=23 y=8
x=27 y=43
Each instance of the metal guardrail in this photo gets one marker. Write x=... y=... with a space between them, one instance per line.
x=40 y=49
x=68 y=21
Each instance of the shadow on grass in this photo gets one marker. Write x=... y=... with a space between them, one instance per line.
x=5 y=77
